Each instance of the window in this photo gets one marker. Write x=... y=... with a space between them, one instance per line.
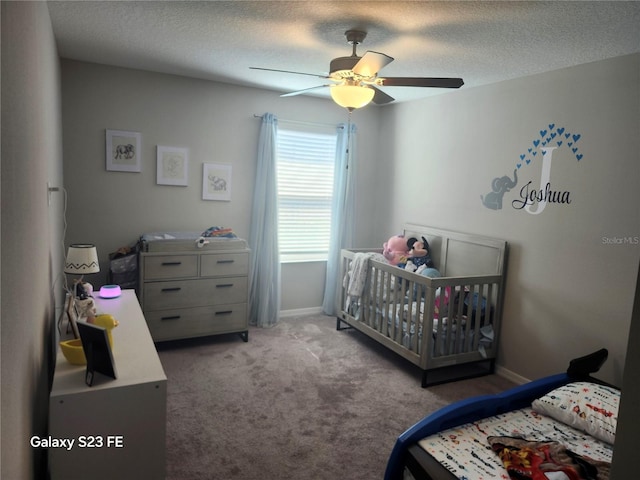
x=305 y=163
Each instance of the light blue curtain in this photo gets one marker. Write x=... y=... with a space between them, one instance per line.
x=343 y=212
x=264 y=273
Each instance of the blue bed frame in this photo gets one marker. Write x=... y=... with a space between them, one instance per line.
x=406 y=452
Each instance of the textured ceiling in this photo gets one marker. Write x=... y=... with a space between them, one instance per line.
x=482 y=42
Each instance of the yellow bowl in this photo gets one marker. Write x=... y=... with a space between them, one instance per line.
x=72 y=351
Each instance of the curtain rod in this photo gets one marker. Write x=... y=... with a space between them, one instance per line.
x=299 y=122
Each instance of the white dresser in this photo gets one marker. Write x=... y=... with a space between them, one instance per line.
x=118 y=427
x=195 y=293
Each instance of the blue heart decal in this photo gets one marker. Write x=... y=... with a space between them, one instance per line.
x=567 y=135
x=518 y=165
x=529 y=150
x=535 y=153
x=529 y=160
x=579 y=156
x=559 y=143
x=560 y=131
x=553 y=135
x=551 y=125
x=536 y=143
x=543 y=133
x=574 y=149
x=576 y=137
x=569 y=144
x=522 y=157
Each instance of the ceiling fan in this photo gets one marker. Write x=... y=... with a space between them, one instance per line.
x=357 y=78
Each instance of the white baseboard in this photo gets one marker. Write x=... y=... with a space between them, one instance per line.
x=300 y=312
x=509 y=375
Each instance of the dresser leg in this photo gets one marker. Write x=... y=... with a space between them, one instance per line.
x=244 y=335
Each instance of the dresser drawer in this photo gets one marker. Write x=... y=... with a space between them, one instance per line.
x=170 y=266
x=194 y=293
x=198 y=321
x=220 y=264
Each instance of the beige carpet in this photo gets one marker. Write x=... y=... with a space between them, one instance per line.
x=298 y=401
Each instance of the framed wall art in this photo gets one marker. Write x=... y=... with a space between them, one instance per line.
x=216 y=182
x=172 y=166
x=123 y=151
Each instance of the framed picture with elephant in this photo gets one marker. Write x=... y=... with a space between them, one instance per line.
x=123 y=151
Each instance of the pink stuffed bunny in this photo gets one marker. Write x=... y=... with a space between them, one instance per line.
x=395 y=250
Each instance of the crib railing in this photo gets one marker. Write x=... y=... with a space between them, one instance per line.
x=433 y=322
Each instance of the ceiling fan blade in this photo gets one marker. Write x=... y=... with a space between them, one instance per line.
x=421 y=82
x=371 y=63
x=306 y=90
x=380 y=98
x=288 y=71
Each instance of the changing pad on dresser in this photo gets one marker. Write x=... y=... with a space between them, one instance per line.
x=184 y=241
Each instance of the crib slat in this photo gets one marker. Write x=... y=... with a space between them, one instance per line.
x=373 y=303
x=472 y=331
x=412 y=314
x=440 y=330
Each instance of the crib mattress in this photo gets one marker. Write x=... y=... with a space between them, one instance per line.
x=185 y=241
x=466 y=453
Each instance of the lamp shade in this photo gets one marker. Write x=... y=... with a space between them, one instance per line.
x=351 y=96
x=82 y=258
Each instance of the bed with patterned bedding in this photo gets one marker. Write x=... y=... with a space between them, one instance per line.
x=562 y=426
x=449 y=325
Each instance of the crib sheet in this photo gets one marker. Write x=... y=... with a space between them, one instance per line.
x=466 y=453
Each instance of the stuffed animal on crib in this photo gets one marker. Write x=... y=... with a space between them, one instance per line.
x=418 y=256
x=395 y=250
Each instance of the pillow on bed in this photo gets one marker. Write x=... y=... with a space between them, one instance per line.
x=586 y=406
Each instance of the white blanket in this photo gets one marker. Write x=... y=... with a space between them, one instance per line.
x=356 y=278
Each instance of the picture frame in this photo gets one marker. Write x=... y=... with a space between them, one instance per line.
x=97 y=351
x=172 y=164
x=72 y=316
x=216 y=182
x=123 y=151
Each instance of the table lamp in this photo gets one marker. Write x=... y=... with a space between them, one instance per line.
x=81 y=258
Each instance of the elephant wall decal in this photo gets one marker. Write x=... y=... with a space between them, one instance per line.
x=499 y=186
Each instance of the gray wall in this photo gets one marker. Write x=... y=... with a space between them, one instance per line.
x=570 y=287
x=31 y=230
x=216 y=122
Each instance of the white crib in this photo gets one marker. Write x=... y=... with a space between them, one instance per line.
x=448 y=326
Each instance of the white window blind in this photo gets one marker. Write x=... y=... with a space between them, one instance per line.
x=305 y=164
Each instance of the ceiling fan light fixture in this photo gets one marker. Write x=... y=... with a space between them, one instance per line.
x=352 y=96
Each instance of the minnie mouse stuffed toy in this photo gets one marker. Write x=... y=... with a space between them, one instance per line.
x=419 y=254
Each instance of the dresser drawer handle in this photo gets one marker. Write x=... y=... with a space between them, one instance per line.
x=172 y=317
x=224 y=285
x=225 y=261
x=168 y=264
x=224 y=312
x=171 y=289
